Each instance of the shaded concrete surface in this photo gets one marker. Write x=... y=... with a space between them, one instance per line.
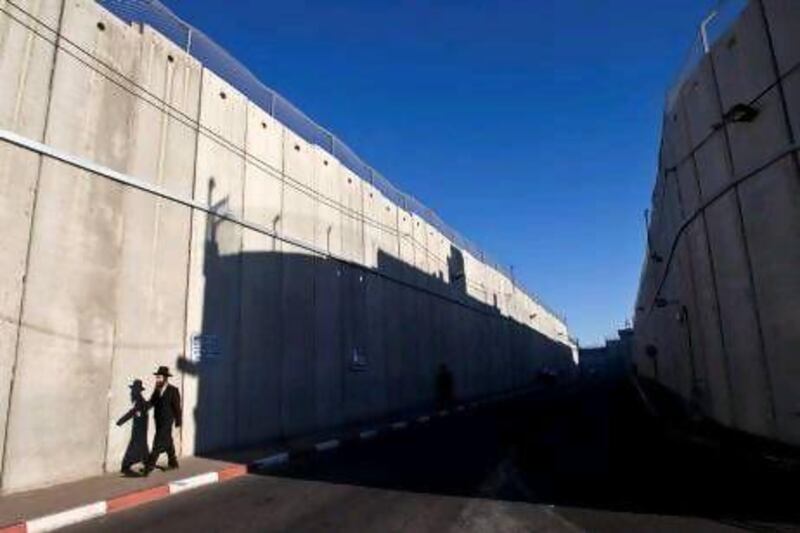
x=589 y=459
x=724 y=231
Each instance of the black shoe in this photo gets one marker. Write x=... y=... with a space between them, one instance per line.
x=147 y=470
x=173 y=466
x=128 y=472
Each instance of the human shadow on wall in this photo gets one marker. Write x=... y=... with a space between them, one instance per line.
x=293 y=343
x=137 y=449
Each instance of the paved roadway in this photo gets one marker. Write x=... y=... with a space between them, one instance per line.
x=587 y=462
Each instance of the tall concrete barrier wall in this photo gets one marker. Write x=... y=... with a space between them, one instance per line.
x=718 y=310
x=288 y=295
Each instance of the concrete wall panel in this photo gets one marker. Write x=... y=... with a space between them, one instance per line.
x=25 y=68
x=706 y=320
x=69 y=308
x=689 y=190
x=376 y=357
x=713 y=167
x=392 y=326
x=771 y=203
x=151 y=294
x=352 y=219
x=328 y=294
x=328 y=233
x=738 y=316
x=754 y=143
x=700 y=112
x=742 y=59
x=407 y=303
x=215 y=277
x=299 y=222
x=791 y=88
x=783 y=17
x=423 y=334
x=258 y=376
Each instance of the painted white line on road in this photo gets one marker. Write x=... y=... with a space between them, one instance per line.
x=399 y=425
x=327 y=445
x=66 y=518
x=272 y=460
x=368 y=434
x=193 y=482
x=423 y=419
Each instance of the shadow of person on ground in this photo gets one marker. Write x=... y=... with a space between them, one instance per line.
x=137 y=450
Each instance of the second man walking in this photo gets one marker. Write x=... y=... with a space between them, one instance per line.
x=166 y=404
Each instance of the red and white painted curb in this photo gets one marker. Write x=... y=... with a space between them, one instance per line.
x=83 y=513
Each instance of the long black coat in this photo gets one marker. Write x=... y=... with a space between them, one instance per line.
x=166 y=411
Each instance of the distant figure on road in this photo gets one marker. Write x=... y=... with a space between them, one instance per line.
x=166 y=404
x=137 y=450
x=444 y=387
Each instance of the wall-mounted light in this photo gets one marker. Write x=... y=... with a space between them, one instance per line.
x=741 y=113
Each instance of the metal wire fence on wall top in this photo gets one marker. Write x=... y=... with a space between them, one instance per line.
x=159 y=17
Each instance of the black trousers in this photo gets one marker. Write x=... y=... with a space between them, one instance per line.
x=162 y=443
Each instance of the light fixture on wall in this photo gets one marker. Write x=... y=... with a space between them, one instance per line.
x=741 y=113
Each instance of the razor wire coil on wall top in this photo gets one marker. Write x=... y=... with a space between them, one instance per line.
x=215 y=58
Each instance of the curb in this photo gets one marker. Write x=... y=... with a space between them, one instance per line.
x=83 y=513
x=133 y=499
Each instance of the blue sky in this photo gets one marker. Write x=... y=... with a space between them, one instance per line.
x=532 y=127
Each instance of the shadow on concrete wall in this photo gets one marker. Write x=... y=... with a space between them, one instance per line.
x=293 y=343
x=138 y=445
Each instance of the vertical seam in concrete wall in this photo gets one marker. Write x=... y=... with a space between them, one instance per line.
x=712 y=263
x=795 y=160
x=168 y=90
x=238 y=325
x=186 y=334
x=693 y=283
x=56 y=46
x=281 y=268
x=24 y=75
x=108 y=394
x=749 y=263
x=314 y=286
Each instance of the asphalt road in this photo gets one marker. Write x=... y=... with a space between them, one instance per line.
x=586 y=461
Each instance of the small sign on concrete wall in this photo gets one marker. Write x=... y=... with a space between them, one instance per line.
x=205 y=347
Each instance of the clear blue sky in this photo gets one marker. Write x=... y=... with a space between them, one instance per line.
x=531 y=126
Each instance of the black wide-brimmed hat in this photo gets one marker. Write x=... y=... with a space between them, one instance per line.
x=136 y=385
x=162 y=371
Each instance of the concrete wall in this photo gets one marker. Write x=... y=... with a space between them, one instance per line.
x=299 y=300
x=725 y=233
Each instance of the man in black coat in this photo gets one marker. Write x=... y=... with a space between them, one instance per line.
x=166 y=404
